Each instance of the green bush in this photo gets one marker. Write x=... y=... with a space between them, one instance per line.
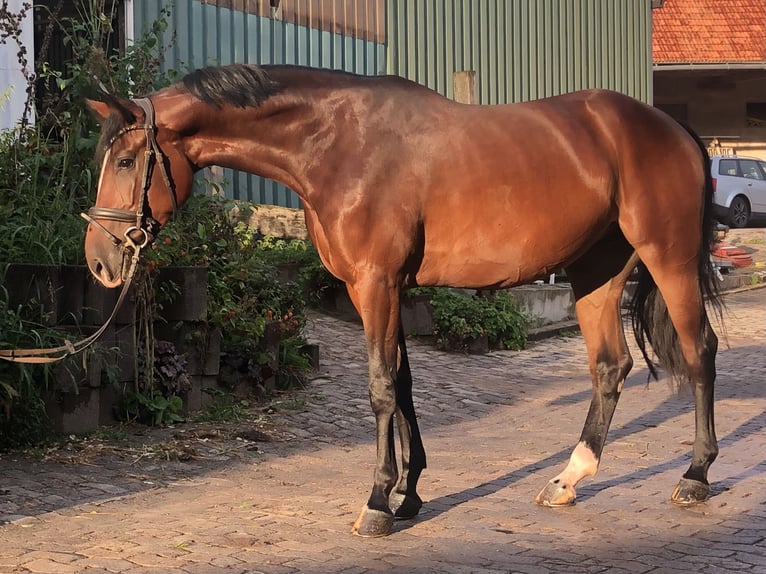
x=313 y=277
x=47 y=179
x=244 y=290
x=22 y=411
x=44 y=185
x=459 y=316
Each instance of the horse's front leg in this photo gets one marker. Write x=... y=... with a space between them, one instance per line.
x=377 y=301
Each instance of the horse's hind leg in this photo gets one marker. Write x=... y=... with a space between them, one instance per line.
x=694 y=486
x=598 y=280
x=404 y=500
x=689 y=355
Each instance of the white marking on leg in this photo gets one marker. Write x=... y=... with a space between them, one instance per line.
x=582 y=463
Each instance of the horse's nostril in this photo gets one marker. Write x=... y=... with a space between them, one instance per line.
x=97 y=268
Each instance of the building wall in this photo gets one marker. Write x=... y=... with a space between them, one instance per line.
x=714 y=104
x=522 y=49
x=305 y=32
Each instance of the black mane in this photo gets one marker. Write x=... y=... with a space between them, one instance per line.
x=239 y=85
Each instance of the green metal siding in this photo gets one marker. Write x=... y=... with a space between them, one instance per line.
x=202 y=34
x=207 y=34
x=522 y=49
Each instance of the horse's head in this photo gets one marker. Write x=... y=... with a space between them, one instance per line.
x=144 y=177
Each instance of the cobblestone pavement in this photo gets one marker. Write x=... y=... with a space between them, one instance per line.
x=496 y=428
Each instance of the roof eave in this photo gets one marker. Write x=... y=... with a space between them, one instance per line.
x=674 y=67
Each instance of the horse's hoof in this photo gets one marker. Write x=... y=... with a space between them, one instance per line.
x=556 y=493
x=689 y=492
x=373 y=523
x=404 y=506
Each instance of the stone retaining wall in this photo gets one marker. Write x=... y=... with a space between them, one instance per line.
x=80 y=400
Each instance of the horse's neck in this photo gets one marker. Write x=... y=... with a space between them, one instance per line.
x=268 y=141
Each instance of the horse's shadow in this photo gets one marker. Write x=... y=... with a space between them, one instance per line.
x=668 y=408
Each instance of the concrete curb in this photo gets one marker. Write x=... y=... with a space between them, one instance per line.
x=732 y=285
x=553 y=330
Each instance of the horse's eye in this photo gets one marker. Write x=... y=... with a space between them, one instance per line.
x=125 y=163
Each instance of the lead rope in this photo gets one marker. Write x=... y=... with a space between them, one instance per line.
x=53 y=354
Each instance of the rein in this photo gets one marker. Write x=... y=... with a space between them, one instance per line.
x=53 y=354
x=142 y=223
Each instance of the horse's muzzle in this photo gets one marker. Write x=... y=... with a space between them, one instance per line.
x=106 y=261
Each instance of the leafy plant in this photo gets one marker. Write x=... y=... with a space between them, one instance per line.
x=459 y=316
x=22 y=410
x=168 y=371
x=150 y=407
x=224 y=406
x=245 y=293
x=277 y=251
x=293 y=363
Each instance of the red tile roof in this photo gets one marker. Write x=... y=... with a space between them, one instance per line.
x=709 y=31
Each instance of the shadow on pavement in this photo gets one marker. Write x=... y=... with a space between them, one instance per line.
x=662 y=413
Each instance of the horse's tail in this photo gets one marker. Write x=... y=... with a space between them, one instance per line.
x=648 y=312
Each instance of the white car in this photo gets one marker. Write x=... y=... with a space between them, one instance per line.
x=740 y=189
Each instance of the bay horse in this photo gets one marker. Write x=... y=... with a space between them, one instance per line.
x=402 y=187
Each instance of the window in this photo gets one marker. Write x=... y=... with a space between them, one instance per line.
x=755 y=114
x=727 y=167
x=750 y=169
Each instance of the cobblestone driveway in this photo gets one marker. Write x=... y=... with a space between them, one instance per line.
x=496 y=428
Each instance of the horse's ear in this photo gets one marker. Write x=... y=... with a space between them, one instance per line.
x=99 y=110
x=112 y=104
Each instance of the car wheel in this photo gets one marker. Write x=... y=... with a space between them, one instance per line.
x=739 y=212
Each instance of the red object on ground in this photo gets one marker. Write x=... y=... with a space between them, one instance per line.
x=736 y=255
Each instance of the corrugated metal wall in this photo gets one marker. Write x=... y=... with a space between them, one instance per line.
x=344 y=35
x=522 y=49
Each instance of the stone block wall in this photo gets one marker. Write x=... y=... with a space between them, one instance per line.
x=80 y=399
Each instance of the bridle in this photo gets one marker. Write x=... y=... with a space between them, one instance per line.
x=142 y=223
